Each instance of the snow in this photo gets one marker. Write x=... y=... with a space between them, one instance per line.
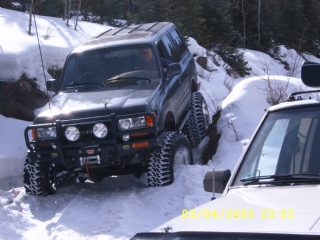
x=119 y=207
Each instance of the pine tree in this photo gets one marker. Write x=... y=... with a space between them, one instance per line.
x=269 y=21
x=217 y=21
x=53 y=8
x=7 y=4
x=222 y=36
x=103 y=11
x=310 y=41
x=186 y=14
x=260 y=19
x=293 y=24
x=151 y=11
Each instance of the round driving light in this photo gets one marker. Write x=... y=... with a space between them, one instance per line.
x=72 y=133
x=125 y=124
x=100 y=130
x=126 y=137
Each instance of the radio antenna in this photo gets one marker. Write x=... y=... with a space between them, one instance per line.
x=44 y=75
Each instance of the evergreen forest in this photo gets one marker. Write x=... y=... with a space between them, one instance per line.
x=219 y=25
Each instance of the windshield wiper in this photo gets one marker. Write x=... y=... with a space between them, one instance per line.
x=85 y=84
x=127 y=79
x=282 y=178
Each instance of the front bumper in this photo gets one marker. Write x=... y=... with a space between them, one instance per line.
x=100 y=155
x=103 y=152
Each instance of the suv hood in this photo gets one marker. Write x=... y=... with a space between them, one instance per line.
x=97 y=102
x=303 y=200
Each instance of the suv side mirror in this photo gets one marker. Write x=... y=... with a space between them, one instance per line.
x=310 y=74
x=52 y=85
x=173 y=69
x=216 y=180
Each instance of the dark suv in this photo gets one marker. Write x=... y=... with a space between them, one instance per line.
x=111 y=115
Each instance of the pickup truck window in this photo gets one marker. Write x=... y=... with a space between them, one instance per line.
x=286 y=146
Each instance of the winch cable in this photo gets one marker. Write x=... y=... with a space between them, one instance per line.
x=86 y=161
x=44 y=75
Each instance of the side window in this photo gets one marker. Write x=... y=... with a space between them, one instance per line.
x=162 y=51
x=178 y=40
x=167 y=50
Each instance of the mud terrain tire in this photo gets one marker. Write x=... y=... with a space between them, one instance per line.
x=36 y=178
x=176 y=150
x=198 y=120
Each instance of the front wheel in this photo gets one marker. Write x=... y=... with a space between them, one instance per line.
x=37 y=178
x=176 y=150
x=198 y=121
x=42 y=178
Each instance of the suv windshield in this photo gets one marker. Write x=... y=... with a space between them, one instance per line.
x=286 y=149
x=100 y=65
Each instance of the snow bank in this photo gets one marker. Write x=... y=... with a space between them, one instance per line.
x=19 y=52
x=13 y=149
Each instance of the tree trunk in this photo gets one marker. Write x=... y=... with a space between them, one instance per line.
x=32 y=6
x=279 y=26
x=64 y=10
x=259 y=16
x=68 y=11
x=244 y=25
x=79 y=5
x=30 y=16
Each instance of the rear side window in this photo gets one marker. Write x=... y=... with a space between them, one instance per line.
x=167 y=50
x=178 y=41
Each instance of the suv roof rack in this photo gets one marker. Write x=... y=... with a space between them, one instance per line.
x=292 y=98
x=103 y=33
x=151 y=26
x=135 y=28
x=119 y=30
x=143 y=28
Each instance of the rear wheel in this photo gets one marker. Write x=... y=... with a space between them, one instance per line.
x=198 y=120
x=176 y=150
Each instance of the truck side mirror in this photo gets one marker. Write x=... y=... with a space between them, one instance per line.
x=52 y=85
x=216 y=180
x=173 y=69
x=310 y=74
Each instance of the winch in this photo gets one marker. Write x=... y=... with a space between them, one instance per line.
x=90 y=160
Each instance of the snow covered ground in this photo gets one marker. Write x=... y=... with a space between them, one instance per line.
x=119 y=207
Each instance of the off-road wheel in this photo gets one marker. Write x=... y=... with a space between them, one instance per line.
x=143 y=159
x=176 y=150
x=38 y=179
x=42 y=179
x=198 y=121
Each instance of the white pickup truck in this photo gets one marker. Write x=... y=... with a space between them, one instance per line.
x=274 y=191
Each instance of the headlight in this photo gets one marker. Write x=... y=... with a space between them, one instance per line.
x=72 y=133
x=131 y=123
x=100 y=130
x=46 y=133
